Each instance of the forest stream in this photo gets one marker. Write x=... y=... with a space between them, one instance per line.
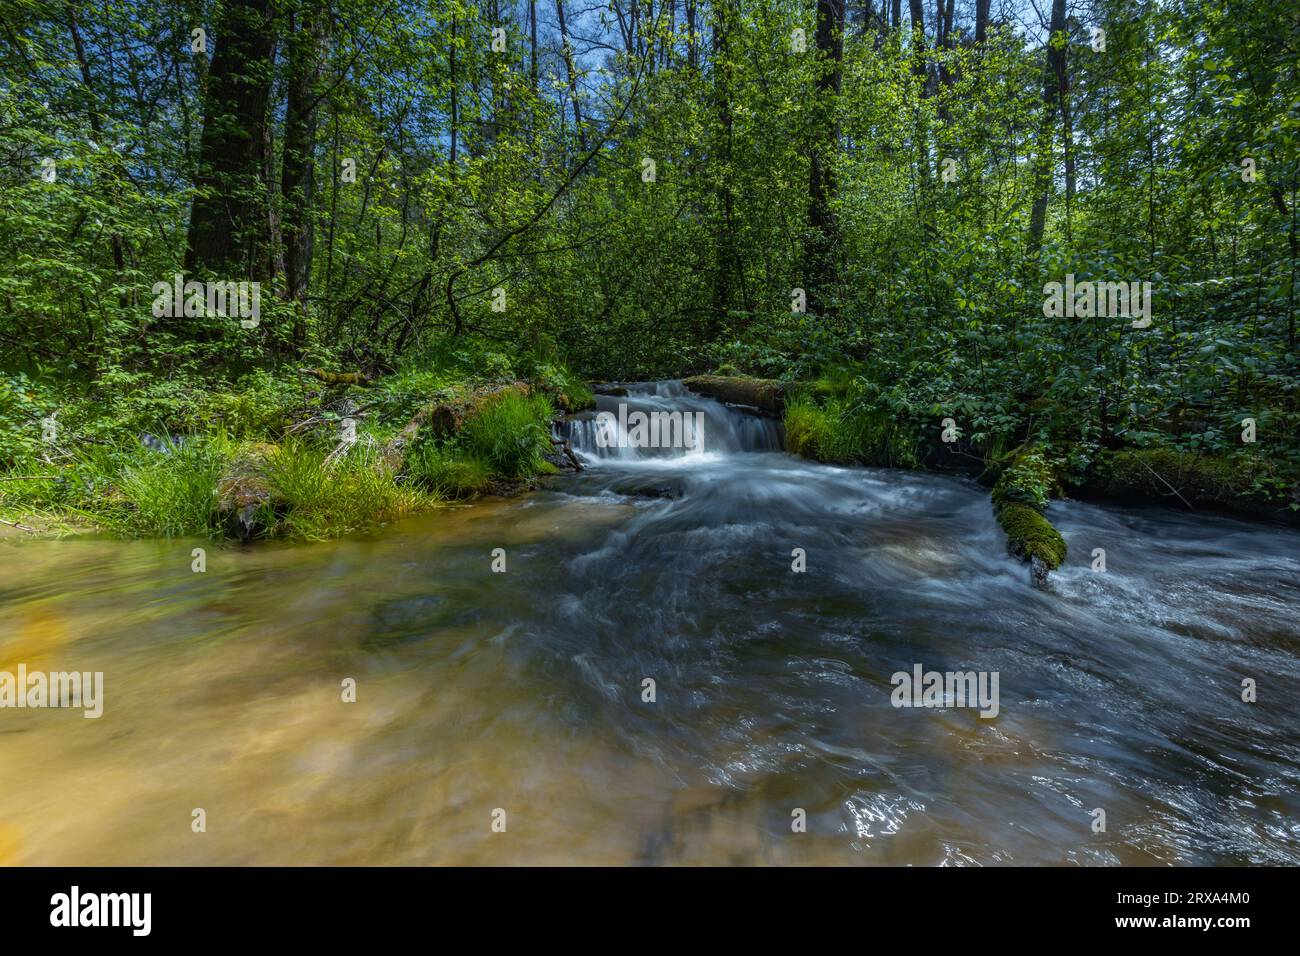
x=523 y=690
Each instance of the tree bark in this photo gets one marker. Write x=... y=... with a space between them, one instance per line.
x=822 y=240
x=1054 y=76
x=532 y=46
x=573 y=76
x=228 y=218
x=298 y=167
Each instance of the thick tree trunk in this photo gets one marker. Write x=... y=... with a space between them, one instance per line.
x=229 y=216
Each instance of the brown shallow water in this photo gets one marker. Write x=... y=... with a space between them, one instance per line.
x=522 y=690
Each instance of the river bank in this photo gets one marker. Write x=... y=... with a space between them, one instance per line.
x=501 y=438
x=523 y=689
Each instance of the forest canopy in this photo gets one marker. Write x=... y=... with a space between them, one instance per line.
x=1062 y=223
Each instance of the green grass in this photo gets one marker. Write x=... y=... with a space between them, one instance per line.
x=171 y=494
x=448 y=473
x=97 y=474
x=511 y=433
x=844 y=431
x=314 y=501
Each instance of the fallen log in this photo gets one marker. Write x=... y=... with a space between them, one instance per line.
x=1020 y=497
x=766 y=394
x=359 y=379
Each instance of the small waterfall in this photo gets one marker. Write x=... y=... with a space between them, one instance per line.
x=667 y=420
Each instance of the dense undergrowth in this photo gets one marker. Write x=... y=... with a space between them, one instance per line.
x=150 y=459
x=1177 y=457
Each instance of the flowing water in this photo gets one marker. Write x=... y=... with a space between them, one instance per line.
x=522 y=691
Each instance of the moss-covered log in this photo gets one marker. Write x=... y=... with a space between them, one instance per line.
x=1248 y=486
x=1020 y=497
x=359 y=379
x=766 y=394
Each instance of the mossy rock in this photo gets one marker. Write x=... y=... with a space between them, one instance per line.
x=1030 y=535
x=243 y=490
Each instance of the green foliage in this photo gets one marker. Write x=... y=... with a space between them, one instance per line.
x=448 y=472
x=844 y=430
x=258 y=406
x=1156 y=472
x=1020 y=497
x=321 y=500
x=510 y=432
x=171 y=493
x=933 y=307
x=1029 y=480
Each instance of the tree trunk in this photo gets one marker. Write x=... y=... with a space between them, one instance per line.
x=726 y=261
x=298 y=168
x=532 y=46
x=573 y=76
x=229 y=215
x=691 y=57
x=1053 y=81
x=822 y=241
x=114 y=185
